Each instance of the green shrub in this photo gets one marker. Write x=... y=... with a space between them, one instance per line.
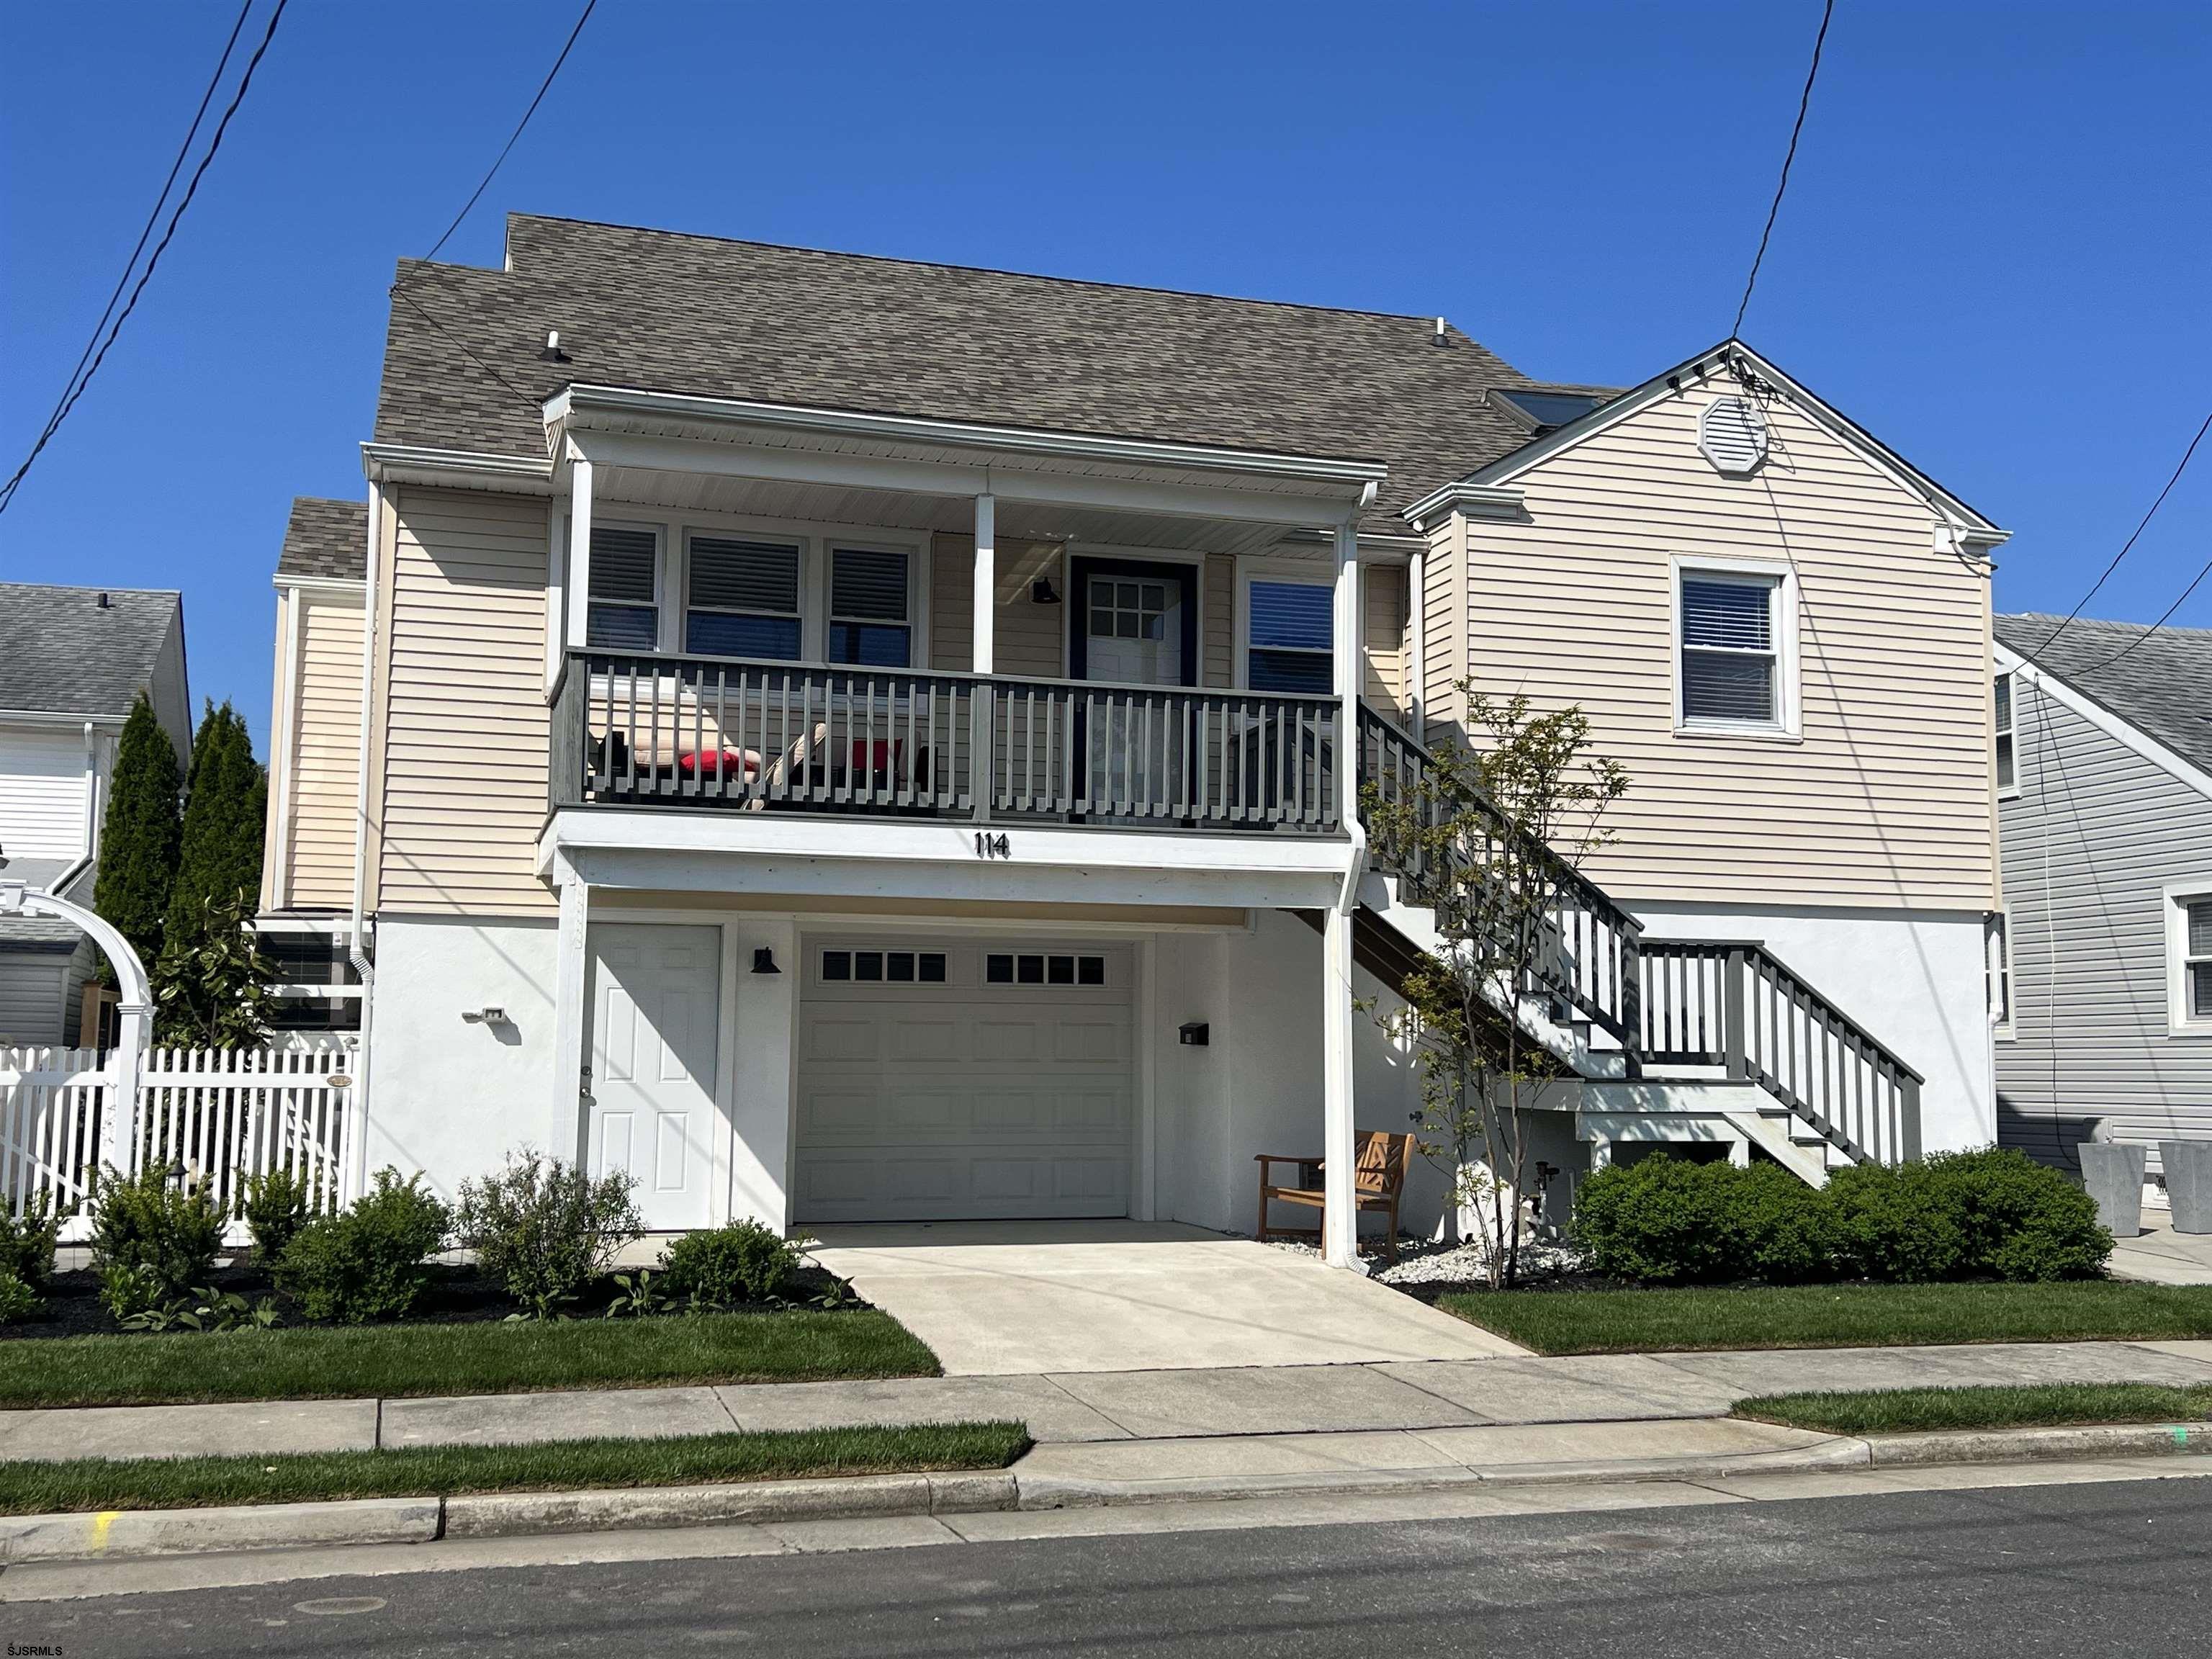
x=2018 y=1220
x=1785 y=1230
x=370 y=1260
x=545 y=1230
x=26 y=1243
x=277 y=1207
x=1661 y=1220
x=728 y=1266
x=18 y=1301
x=155 y=1235
x=1900 y=1224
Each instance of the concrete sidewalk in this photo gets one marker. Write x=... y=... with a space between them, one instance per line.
x=1096 y=1407
x=2159 y=1255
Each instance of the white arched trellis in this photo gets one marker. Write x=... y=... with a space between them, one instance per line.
x=135 y=1011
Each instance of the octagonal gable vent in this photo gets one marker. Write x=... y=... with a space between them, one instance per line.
x=1732 y=435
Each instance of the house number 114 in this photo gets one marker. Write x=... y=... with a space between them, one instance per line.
x=989 y=846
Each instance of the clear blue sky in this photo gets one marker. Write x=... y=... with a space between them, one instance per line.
x=1996 y=251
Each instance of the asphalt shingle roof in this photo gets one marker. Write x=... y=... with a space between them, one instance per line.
x=2162 y=687
x=665 y=312
x=63 y=651
x=326 y=539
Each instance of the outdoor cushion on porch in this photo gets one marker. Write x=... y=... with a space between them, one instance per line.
x=1380 y=1162
x=712 y=763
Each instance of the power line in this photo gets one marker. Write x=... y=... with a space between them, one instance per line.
x=191 y=188
x=152 y=218
x=1804 y=102
x=2123 y=553
x=2194 y=582
x=544 y=87
x=537 y=405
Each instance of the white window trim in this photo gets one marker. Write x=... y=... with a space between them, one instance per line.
x=1300 y=572
x=1999 y=949
x=1788 y=726
x=916 y=594
x=2178 y=897
x=2005 y=791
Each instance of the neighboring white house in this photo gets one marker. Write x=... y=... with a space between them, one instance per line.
x=2101 y=963
x=72 y=662
x=853 y=739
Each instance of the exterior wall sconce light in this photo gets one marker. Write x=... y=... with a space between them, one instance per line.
x=484 y=1016
x=1195 y=1035
x=1042 y=592
x=764 y=961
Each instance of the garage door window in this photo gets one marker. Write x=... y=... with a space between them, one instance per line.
x=1011 y=968
x=885 y=966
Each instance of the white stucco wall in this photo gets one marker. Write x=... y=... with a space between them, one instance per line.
x=1914 y=979
x=447 y=1097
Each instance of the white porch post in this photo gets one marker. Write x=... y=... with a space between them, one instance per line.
x=987 y=578
x=571 y=1017
x=1339 y=1225
x=577 y=590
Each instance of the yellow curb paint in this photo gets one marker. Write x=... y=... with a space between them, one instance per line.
x=101 y=1524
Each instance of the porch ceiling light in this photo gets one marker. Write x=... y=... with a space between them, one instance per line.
x=764 y=961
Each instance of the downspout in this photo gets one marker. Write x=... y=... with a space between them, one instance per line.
x=357 y=1128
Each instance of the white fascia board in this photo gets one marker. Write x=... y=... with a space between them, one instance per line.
x=355 y=586
x=62 y=717
x=564 y=408
x=1475 y=499
x=762 y=852
x=1970 y=526
x=2009 y=661
x=412 y=463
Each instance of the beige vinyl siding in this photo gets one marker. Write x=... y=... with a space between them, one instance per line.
x=463 y=793
x=1885 y=799
x=1219 y=622
x=1443 y=625
x=324 y=723
x=1384 y=678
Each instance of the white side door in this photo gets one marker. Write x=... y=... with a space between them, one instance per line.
x=656 y=994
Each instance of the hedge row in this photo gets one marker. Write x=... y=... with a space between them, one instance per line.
x=1994 y=1214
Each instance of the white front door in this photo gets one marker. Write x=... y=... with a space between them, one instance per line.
x=1133 y=627
x=656 y=993
x=942 y=1079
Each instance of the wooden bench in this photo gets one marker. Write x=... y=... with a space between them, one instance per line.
x=1378 y=1179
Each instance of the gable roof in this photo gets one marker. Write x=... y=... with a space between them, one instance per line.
x=1733 y=353
x=325 y=540
x=63 y=651
x=658 y=311
x=2162 y=687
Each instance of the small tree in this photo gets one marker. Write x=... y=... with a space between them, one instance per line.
x=225 y=803
x=1498 y=832
x=139 y=838
x=211 y=981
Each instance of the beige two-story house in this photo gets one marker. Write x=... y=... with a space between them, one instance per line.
x=851 y=739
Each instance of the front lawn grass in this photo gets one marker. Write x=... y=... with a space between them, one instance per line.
x=1836 y=1315
x=1903 y=1411
x=477 y=1357
x=158 y=1483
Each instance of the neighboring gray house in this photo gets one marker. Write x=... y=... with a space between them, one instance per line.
x=72 y=661
x=2101 y=961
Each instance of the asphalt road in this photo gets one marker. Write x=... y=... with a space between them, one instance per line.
x=2070 y=1570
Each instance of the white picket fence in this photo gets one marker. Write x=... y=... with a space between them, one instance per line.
x=215 y=1116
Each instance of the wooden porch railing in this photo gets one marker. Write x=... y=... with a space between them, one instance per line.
x=754 y=737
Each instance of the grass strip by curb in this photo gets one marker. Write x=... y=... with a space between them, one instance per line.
x=2042 y=1406
x=1836 y=1315
x=162 y=1483
x=330 y=1363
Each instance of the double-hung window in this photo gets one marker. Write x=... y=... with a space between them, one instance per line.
x=741 y=598
x=1732 y=662
x=625 y=591
x=1291 y=629
x=870 y=619
x=2189 y=935
x=2008 y=757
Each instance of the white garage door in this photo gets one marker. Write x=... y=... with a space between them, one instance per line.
x=953 y=1081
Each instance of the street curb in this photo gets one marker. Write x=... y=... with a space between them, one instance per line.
x=121 y=1534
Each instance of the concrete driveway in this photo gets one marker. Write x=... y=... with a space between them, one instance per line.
x=999 y=1299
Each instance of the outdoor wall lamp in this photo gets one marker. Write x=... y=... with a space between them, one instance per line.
x=484 y=1016
x=764 y=961
x=1042 y=592
x=1195 y=1035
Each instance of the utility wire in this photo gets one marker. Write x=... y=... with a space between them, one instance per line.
x=1804 y=102
x=152 y=218
x=2123 y=553
x=544 y=87
x=536 y=405
x=191 y=188
x=2194 y=582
